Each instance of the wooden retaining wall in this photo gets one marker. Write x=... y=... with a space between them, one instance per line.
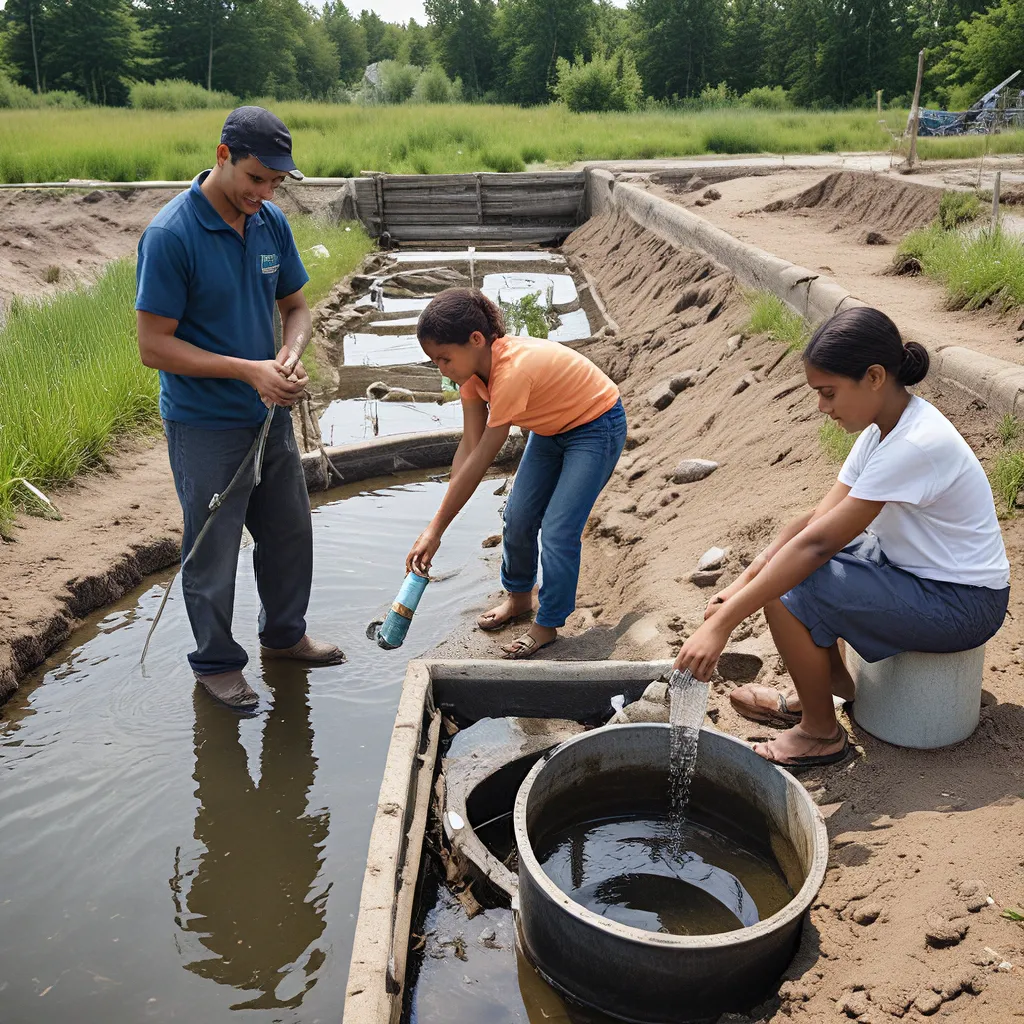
x=527 y=207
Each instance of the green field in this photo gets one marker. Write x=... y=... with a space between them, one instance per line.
x=71 y=380
x=128 y=145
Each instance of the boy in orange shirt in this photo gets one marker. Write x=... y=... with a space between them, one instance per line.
x=577 y=430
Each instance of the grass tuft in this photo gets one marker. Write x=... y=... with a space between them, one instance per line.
x=1007 y=479
x=980 y=269
x=835 y=442
x=1010 y=429
x=770 y=315
x=958 y=208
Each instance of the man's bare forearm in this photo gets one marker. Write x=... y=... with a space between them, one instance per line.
x=174 y=355
x=296 y=328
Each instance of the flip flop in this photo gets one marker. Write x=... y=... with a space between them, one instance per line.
x=809 y=760
x=773 y=709
x=527 y=647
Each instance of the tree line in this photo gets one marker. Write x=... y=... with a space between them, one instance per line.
x=814 y=53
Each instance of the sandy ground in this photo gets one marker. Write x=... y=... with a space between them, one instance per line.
x=56 y=239
x=916 y=836
x=832 y=237
x=118 y=525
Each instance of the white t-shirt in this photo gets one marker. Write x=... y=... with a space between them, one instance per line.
x=939 y=521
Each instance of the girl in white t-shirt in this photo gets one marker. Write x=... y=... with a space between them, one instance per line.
x=904 y=553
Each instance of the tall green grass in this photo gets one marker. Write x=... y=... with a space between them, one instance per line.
x=70 y=375
x=979 y=269
x=1007 y=479
x=335 y=140
x=347 y=245
x=770 y=315
x=177 y=94
x=70 y=379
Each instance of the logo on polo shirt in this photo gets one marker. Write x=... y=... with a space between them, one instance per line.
x=270 y=263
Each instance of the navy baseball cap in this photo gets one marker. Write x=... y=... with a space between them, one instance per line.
x=258 y=132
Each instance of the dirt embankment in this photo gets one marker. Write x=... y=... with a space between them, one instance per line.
x=53 y=239
x=885 y=206
x=848 y=226
x=919 y=839
x=119 y=525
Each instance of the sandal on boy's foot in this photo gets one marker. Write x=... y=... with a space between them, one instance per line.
x=230 y=688
x=313 y=652
x=524 y=647
x=808 y=760
x=762 y=703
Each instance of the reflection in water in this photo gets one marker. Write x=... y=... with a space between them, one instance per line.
x=253 y=900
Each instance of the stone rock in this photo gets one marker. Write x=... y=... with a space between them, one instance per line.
x=734 y=344
x=739 y=666
x=712 y=194
x=702 y=202
x=645 y=711
x=706 y=579
x=743 y=383
x=683 y=380
x=867 y=913
x=491 y=542
x=691 y=470
x=942 y=931
x=608 y=331
x=713 y=558
x=697 y=182
x=656 y=692
x=661 y=396
x=361 y=282
x=875 y=238
x=854 y=1004
x=927 y=1002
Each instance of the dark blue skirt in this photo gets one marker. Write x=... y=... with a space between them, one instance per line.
x=880 y=610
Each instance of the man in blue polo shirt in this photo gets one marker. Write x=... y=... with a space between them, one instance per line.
x=211 y=266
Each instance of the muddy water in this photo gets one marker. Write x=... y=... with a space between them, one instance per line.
x=361 y=419
x=163 y=860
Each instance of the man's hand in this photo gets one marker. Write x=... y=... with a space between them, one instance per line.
x=265 y=375
x=288 y=362
x=422 y=553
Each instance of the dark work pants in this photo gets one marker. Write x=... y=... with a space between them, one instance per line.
x=276 y=513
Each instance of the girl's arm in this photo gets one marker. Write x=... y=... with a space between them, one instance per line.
x=786 y=534
x=794 y=561
x=460 y=490
x=474 y=422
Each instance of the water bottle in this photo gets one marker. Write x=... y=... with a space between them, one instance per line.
x=391 y=632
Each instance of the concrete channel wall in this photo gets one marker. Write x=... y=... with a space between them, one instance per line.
x=364 y=460
x=996 y=382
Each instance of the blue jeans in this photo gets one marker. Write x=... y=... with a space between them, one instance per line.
x=276 y=514
x=558 y=481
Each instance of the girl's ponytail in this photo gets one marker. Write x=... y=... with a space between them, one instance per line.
x=914 y=365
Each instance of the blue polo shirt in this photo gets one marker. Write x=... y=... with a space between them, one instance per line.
x=221 y=288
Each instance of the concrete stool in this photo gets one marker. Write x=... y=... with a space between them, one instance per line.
x=919 y=700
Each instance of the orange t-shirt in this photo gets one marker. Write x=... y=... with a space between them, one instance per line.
x=542 y=386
